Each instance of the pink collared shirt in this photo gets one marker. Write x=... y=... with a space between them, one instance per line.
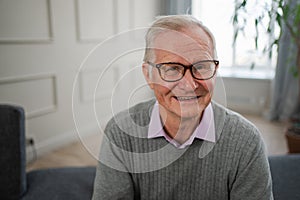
x=205 y=130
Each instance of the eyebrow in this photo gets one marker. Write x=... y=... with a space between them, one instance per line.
x=188 y=65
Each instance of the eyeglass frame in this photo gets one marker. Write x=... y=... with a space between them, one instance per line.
x=186 y=67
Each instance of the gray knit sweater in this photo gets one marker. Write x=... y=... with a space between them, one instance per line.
x=132 y=166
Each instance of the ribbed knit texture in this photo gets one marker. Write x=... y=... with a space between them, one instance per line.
x=134 y=167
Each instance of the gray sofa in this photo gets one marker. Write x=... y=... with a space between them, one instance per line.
x=77 y=183
x=48 y=184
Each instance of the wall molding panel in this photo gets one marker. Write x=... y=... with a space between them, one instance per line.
x=40 y=102
x=95 y=20
x=32 y=24
x=95 y=80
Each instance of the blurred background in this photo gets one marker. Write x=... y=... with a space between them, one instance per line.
x=59 y=60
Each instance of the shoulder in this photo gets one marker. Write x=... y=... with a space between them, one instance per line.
x=135 y=116
x=235 y=127
x=128 y=129
x=240 y=138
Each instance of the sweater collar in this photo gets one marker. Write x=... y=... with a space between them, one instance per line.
x=205 y=130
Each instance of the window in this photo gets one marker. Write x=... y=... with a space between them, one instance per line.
x=217 y=16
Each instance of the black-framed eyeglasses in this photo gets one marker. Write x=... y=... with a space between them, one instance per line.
x=172 y=71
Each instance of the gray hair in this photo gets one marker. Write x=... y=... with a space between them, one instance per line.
x=174 y=23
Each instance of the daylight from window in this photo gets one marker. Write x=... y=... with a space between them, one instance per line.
x=217 y=16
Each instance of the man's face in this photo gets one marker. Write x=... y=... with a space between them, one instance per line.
x=188 y=97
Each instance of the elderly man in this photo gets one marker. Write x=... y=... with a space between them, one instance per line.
x=181 y=145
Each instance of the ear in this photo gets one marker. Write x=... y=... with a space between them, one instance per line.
x=148 y=74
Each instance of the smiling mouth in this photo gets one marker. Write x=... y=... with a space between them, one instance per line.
x=187 y=98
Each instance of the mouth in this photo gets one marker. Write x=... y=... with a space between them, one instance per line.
x=186 y=98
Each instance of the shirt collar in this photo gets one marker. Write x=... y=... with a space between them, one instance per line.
x=205 y=130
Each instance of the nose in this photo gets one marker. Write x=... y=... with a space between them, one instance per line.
x=188 y=82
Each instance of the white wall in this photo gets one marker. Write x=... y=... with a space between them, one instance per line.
x=42 y=46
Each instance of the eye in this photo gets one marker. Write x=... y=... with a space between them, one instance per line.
x=203 y=66
x=172 y=69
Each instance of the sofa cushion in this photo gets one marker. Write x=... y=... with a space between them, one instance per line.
x=285 y=172
x=74 y=183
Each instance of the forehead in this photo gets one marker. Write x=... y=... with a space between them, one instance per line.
x=190 y=44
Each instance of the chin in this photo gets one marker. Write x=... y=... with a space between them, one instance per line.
x=190 y=115
x=186 y=113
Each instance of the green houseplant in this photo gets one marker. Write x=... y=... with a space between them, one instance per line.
x=273 y=17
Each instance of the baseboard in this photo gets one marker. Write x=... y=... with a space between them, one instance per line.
x=44 y=147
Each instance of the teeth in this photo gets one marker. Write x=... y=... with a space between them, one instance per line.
x=186 y=98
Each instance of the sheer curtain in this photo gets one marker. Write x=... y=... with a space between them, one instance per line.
x=285 y=100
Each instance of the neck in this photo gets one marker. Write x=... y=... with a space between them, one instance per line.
x=179 y=129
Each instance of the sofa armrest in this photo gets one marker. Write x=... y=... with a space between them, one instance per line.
x=12 y=152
